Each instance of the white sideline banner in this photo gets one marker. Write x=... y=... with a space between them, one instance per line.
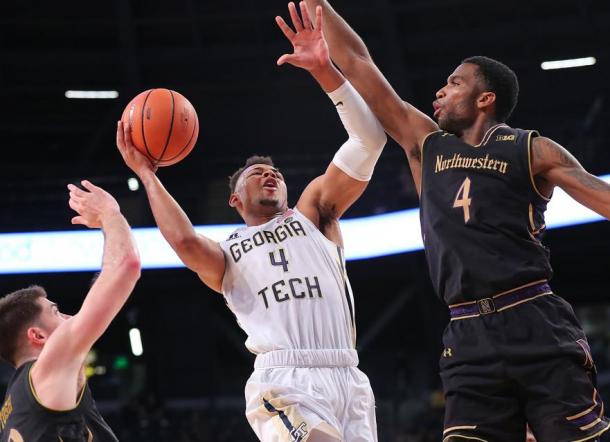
x=366 y=237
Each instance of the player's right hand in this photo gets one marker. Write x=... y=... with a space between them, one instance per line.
x=93 y=204
x=134 y=159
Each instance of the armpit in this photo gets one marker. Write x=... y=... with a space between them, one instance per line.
x=328 y=212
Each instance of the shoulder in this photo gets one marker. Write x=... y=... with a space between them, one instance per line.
x=529 y=134
x=548 y=154
x=22 y=372
x=436 y=138
x=507 y=136
x=543 y=147
x=435 y=134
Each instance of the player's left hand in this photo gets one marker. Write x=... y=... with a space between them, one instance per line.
x=92 y=204
x=310 y=50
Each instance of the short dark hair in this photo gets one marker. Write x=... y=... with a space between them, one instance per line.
x=499 y=79
x=254 y=159
x=18 y=310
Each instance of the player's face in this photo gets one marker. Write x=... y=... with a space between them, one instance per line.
x=455 y=105
x=261 y=185
x=50 y=316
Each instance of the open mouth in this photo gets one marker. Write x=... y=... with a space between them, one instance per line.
x=270 y=184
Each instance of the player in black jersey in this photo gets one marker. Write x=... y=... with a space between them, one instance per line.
x=514 y=351
x=48 y=399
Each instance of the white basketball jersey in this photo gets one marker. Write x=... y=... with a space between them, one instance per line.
x=286 y=284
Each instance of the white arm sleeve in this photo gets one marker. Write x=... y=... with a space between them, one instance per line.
x=359 y=154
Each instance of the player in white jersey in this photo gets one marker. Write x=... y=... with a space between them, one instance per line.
x=283 y=275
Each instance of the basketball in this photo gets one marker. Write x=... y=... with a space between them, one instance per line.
x=164 y=125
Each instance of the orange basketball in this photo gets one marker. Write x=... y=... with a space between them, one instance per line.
x=164 y=125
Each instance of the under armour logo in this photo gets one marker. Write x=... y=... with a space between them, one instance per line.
x=233 y=236
x=447 y=353
x=298 y=434
x=340 y=103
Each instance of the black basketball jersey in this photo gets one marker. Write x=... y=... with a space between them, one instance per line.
x=24 y=419
x=481 y=214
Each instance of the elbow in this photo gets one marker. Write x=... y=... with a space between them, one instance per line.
x=375 y=138
x=131 y=267
x=380 y=139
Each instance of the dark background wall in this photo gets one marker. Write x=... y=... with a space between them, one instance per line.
x=188 y=385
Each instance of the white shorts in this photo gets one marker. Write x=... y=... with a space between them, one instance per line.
x=292 y=392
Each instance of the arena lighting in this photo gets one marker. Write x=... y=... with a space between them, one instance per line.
x=133 y=184
x=92 y=94
x=570 y=63
x=367 y=237
x=135 y=340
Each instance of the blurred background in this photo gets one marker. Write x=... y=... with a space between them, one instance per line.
x=188 y=383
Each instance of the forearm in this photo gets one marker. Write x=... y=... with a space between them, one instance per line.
x=119 y=274
x=119 y=244
x=344 y=43
x=200 y=254
x=405 y=124
x=557 y=167
x=359 y=154
x=587 y=189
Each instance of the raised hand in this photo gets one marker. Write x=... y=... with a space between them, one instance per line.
x=134 y=159
x=310 y=51
x=92 y=204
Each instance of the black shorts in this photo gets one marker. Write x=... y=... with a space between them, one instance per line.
x=527 y=364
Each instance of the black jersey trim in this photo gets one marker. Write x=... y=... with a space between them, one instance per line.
x=37 y=399
x=460 y=427
x=423 y=143
x=421 y=162
x=532 y=134
x=489 y=133
x=535 y=231
x=462 y=436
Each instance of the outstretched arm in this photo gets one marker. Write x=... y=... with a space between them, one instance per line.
x=552 y=165
x=331 y=194
x=403 y=122
x=56 y=371
x=200 y=254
